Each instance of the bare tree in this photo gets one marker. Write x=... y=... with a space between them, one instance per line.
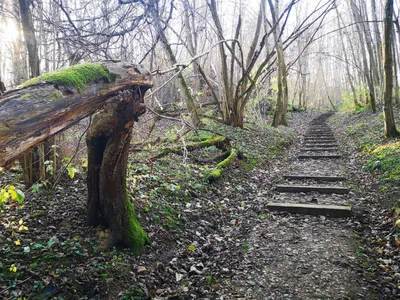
x=370 y=69
x=282 y=93
x=390 y=126
x=190 y=103
x=346 y=61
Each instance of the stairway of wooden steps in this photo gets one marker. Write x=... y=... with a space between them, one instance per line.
x=318 y=143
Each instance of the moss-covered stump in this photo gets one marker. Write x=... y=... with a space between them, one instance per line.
x=108 y=142
x=216 y=173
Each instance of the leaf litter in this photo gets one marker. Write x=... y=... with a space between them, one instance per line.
x=212 y=242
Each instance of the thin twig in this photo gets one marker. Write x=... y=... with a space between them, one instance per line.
x=73 y=156
x=21 y=282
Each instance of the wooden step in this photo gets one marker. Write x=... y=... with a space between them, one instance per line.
x=319 y=149
x=315 y=177
x=321 y=144
x=318 y=156
x=288 y=188
x=319 y=139
x=312 y=209
x=320 y=131
x=320 y=135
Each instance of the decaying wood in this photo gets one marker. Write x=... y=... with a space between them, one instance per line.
x=216 y=173
x=220 y=142
x=31 y=114
x=108 y=142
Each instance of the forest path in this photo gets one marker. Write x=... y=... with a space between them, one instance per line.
x=295 y=256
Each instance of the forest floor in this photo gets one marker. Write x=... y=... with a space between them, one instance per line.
x=214 y=241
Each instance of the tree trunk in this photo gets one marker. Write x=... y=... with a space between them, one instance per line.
x=395 y=58
x=108 y=143
x=377 y=35
x=2 y=87
x=32 y=163
x=390 y=126
x=346 y=60
x=49 y=104
x=191 y=107
x=29 y=36
x=367 y=70
x=226 y=101
x=282 y=93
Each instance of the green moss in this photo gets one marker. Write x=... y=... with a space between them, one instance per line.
x=75 y=76
x=26 y=96
x=223 y=164
x=217 y=171
x=213 y=141
x=388 y=156
x=135 y=237
x=214 y=175
x=54 y=96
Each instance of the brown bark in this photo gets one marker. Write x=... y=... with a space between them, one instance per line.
x=2 y=87
x=108 y=142
x=31 y=114
x=32 y=163
x=396 y=81
x=390 y=126
x=282 y=93
x=29 y=36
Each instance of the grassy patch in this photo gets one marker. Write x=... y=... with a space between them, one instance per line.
x=389 y=157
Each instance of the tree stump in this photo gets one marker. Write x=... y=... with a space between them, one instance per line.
x=108 y=141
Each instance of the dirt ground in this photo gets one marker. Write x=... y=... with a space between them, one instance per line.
x=221 y=242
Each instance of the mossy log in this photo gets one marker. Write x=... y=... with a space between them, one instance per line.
x=54 y=101
x=219 y=157
x=216 y=173
x=220 y=142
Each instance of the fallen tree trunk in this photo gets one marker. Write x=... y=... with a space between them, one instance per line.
x=49 y=103
x=218 y=141
x=216 y=173
x=54 y=101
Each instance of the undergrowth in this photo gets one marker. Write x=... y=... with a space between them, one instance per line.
x=168 y=185
x=381 y=155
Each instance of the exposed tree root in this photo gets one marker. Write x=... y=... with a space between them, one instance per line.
x=220 y=142
x=219 y=157
x=216 y=173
